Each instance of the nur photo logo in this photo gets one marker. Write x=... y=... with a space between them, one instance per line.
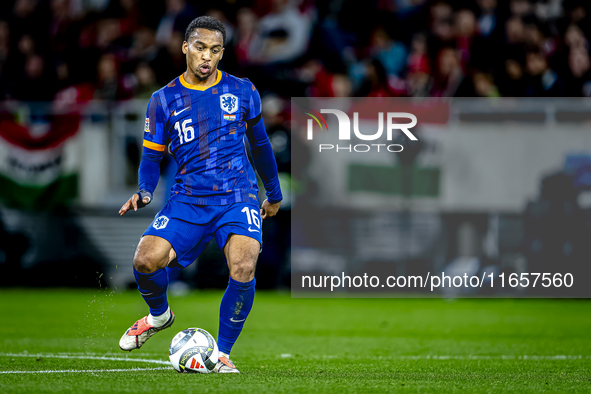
x=391 y=120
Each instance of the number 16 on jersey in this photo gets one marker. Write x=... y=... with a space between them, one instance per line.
x=185 y=131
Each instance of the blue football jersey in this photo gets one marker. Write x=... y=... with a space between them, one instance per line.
x=206 y=128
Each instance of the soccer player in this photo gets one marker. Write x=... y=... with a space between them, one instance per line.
x=205 y=114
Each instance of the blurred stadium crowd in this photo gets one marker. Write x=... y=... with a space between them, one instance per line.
x=120 y=49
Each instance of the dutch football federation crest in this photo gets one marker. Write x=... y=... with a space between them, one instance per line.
x=229 y=103
x=160 y=222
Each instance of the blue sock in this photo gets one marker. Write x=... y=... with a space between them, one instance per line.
x=153 y=288
x=236 y=304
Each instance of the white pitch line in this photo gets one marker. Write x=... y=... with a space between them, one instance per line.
x=499 y=357
x=449 y=357
x=82 y=356
x=117 y=354
x=89 y=370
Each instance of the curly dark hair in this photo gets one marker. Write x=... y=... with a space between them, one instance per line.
x=206 y=22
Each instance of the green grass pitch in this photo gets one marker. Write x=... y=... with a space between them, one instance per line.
x=300 y=345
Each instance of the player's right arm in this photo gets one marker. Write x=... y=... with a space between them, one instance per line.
x=154 y=145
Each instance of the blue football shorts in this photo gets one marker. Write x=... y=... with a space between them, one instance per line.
x=189 y=228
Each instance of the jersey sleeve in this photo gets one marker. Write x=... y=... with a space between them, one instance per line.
x=155 y=137
x=254 y=105
x=262 y=152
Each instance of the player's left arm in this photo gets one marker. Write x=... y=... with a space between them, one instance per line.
x=264 y=160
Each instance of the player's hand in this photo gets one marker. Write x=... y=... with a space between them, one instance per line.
x=268 y=209
x=134 y=202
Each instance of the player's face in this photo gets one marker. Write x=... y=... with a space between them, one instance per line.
x=204 y=50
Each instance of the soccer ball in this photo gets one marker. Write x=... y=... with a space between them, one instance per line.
x=193 y=350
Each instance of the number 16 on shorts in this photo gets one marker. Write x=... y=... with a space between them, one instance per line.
x=252 y=217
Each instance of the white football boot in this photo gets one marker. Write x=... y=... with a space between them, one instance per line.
x=224 y=365
x=140 y=332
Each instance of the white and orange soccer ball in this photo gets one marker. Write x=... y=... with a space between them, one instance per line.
x=193 y=351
